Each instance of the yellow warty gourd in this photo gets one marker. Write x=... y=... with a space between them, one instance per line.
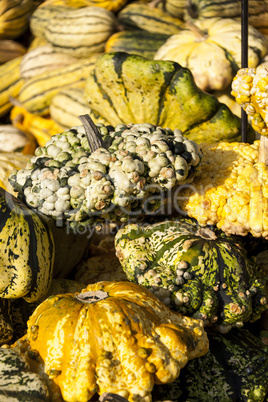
x=231 y=191
x=250 y=89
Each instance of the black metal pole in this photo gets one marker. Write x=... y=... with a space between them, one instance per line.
x=244 y=60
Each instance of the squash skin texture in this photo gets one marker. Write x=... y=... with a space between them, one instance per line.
x=235 y=369
x=231 y=190
x=195 y=271
x=136 y=342
x=17 y=382
x=26 y=249
x=127 y=88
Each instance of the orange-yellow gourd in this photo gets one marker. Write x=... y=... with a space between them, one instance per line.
x=112 y=337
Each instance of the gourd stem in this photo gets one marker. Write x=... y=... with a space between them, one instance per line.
x=93 y=135
x=197 y=31
x=92 y=296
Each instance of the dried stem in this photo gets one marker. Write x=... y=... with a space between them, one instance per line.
x=93 y=135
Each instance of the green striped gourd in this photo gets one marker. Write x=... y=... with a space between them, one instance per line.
x=17 y=382
x=141 y=16
x=36 y=93
x=79 y=32
x=10 y=83
x=41 y=18
x=198 y=271
x=14 y=17
x=26 y=251
x=139 y=42
x=67 y=105
x=205 y=9
x=41 y=59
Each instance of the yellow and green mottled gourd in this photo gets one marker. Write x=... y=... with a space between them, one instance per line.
x=197 y=271
x=112 y=337
x=125 y=88
x=26 y=251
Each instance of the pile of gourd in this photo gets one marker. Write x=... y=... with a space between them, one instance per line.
x=134 y=223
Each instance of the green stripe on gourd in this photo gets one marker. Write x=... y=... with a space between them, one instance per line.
x=26 y=251
x=196 y=271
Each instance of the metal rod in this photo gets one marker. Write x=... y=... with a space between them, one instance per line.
x=244 y=61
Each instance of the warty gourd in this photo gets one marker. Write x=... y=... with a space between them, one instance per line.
x=112 y=337
x=143 y=162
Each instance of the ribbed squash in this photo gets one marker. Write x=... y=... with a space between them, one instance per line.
x=14 y=17
x=41 y=128
x=112 y=5
x=139 y=15
x=41 y=59
x=67 y=105
x=10 y=161
x=197 y=271
x=17 y=382
x=26 y=251
x=14 y=313
x=205 y=9
x=125 y=88
x=234 y=369
x=231 y=191
x=79 y=32
x=36 y=93
x=139 y=42
x=112 y=337
x=10 y=84
x=211 y=49
x=9 y=50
